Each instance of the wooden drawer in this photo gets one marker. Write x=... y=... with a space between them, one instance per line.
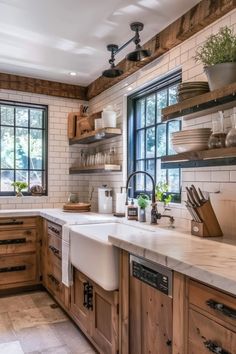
x=17 y=269
x=214 y=302
x=54 y=229
x=54 y=246
x=55 y=286
x=54 y=268
x=204 y=332
x=17 y=241
x=17 y=223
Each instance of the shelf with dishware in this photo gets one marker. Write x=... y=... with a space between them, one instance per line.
x=103 y=168
x=206 y=103
x=204 y=158
x=96 y=135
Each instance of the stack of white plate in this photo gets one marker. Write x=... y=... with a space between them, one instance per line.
x=191 y=140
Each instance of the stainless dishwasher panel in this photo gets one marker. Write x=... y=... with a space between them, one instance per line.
x=153 y=274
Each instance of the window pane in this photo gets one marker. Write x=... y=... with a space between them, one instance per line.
x=22 y=117
x=160 y=173
x=173 y=94
x=36 y=118
x=36 y=151
x=150 y=110
x=161 y=103
x=161 y=140
x=22 y=176
x=36 y=177
x=140 y=145
x=7 y=177
x=21 y=148
x=7 y=147
x=150 y=142
x=150 y=168
x=173 y=126
x=173 y=180
x=7 y=115
x=140 y=116
x=140 y=177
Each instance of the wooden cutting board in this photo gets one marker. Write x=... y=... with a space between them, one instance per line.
x=76 y=207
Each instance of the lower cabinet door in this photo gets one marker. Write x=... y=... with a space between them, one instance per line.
x=207 y=336
x=18 y=269
x=105 y=320
x=79 y=304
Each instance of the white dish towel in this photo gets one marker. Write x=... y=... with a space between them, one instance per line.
x=66 y=264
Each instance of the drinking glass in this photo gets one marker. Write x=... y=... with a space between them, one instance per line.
x=231 y=136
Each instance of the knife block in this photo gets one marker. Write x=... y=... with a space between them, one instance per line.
x=209 y=227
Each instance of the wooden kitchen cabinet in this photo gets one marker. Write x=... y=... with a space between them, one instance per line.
x=52 y=263
x=211 y=320
x=95 y=310
x=19 y=252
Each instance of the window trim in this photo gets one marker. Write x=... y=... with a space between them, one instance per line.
x=28 y=105
x=159 y=84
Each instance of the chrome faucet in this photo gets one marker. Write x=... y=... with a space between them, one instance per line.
x=154 y=213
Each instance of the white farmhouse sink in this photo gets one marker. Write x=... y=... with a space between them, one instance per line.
x=94 y=255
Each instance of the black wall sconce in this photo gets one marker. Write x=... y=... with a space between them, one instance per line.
x=138 y=54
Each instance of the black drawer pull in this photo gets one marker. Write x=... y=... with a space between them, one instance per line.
x=12 y=269
x=13 y=241
x=223 y=309
x=54 y=280
x=11 y=222
x=88 y=295
x=215 y=348
x=53 y=229
x=54 y=250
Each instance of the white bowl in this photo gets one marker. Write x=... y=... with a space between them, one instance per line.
x=190 y=147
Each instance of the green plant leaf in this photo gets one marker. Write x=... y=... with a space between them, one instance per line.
x=218 y=48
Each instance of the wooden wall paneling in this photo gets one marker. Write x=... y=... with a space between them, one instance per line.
x=197 y=18
x=124 y=303
x=43 y=87
x=180 y=314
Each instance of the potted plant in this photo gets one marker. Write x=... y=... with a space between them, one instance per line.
x=218 y=55
x=142 y=200
x=19 y=186
x=162 y=194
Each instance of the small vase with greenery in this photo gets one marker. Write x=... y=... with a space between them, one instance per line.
x=163 y=195
x=218 y=55
x=19 y=186
x=143 y=201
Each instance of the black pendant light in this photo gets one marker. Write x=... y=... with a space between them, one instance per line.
x=113 y=71
x=139 y=54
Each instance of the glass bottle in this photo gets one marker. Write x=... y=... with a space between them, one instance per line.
x=217 y=138
x=231 y=136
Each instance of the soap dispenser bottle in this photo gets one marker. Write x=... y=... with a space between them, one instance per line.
x=132 y=211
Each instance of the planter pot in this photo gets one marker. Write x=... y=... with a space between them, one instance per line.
x=142 y=215
x=220 y=75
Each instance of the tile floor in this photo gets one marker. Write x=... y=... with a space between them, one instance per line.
x=32 y=323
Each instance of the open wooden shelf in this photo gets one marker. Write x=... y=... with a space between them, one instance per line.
x=204 y=158
x=96 y=135
x=95 y=169
x=223 y=98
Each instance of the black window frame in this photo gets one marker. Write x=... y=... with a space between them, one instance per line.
x=165 y=82
x=44 y=129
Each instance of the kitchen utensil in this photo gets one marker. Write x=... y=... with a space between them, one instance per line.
x=195 y=194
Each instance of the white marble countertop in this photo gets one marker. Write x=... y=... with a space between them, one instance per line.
x=206 y=260
x=209 y=261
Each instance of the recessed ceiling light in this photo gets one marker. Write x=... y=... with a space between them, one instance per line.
x=72 y=73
